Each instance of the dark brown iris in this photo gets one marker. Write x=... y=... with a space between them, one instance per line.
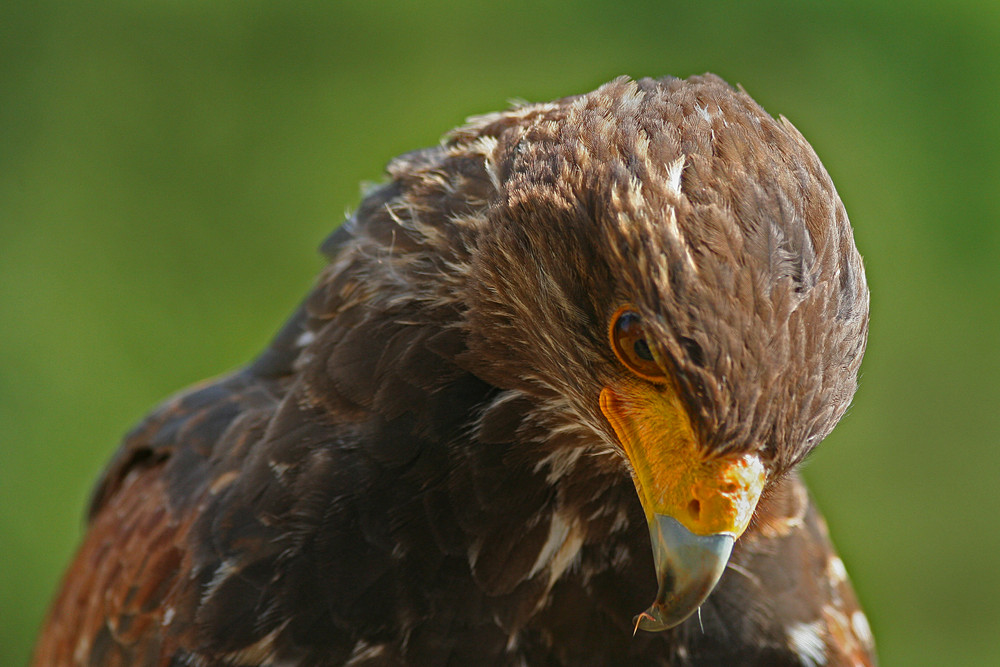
x=629 y=342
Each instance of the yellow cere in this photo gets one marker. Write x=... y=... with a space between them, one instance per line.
x=673 y=475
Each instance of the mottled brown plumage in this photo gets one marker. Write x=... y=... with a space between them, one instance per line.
x=418 y=471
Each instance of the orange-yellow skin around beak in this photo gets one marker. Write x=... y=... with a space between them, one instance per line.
x=696 y=505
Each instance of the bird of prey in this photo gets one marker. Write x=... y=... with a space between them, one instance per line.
x=543 y=406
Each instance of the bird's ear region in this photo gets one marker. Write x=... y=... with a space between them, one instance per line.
x=696 y=503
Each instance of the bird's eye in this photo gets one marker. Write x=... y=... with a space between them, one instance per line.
x=628 y=340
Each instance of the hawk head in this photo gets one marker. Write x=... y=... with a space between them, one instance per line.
x=662 y=265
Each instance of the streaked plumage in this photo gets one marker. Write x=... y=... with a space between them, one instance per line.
x=418 y=470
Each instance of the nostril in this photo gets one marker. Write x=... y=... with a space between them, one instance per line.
x=694 y=509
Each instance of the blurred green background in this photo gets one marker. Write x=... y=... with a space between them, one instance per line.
x=167 y=170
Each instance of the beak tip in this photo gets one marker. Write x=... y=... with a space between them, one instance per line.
x=688 y=567
x=649 y=621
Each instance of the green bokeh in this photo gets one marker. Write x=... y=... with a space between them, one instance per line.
x=168 y=168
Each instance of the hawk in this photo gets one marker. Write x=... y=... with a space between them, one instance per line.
x=543 y=406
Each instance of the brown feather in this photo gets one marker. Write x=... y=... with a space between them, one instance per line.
x=417 y=470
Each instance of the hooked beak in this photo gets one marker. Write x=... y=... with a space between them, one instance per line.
x=687 y=568
x=696 y=504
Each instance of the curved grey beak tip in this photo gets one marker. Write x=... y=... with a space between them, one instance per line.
x=687 y=568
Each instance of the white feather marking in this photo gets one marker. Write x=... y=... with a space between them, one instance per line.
x=279 y=469
x=363 y=651
x=806 y=639
x=558 y=530
x=82 y=650
x=674 y=230
x=674 y=171
x=566 y=554
x=260 y=652
x=560 y=461
x=305 y=338
x=836 y=570
x=224 y=571
x=863 y=631
x=486 y=146
x=621 y=558
x=631 y=101
x=621 y=521
x=223 y=481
